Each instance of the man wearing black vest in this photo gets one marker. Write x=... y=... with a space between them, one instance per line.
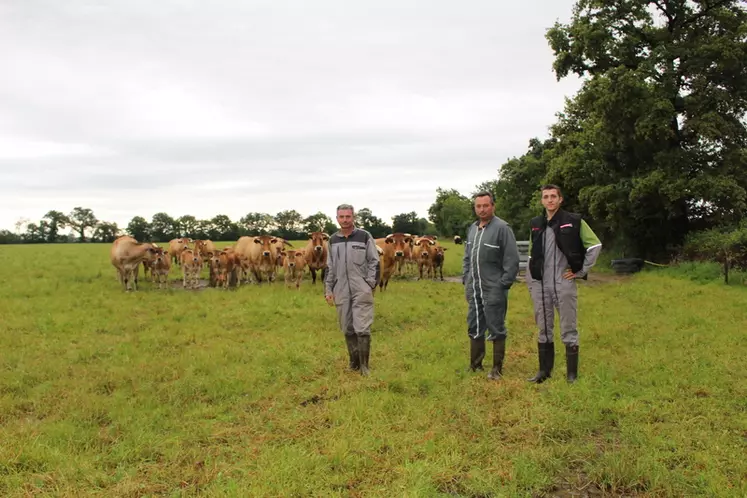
x=562 y=248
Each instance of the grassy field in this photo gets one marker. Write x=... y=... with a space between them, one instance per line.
x=244 y=392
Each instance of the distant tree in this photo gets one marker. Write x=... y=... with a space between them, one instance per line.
x=202 y=229
x=517 y=189
x=139 y=228
x=163 y=228
x=81 y=219
x=105 y=231
x=365 y=219
x=257 y=223
x=451 y=213
x=35 y=233
x=56 y=221
x=187 y=226
x=289 y=224
x=222 y=228
x=8 y=237
x=409 y=223
x=316 y=222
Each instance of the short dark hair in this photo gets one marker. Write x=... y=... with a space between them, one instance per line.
x=483 y=194
x=551 y=186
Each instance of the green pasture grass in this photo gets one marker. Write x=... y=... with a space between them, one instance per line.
x=244 y=392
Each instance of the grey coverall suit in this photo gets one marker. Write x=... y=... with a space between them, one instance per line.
x=489 y=268
x=352 y=274
x=554 y=291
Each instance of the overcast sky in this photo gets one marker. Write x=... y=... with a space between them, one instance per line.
x=131 y=107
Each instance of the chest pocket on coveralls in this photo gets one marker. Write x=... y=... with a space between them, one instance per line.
x=492 y=252
x=358 y=254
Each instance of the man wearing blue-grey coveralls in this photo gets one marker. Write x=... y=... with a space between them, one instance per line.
x=562 y=248
x=489 y=268
x=352 y=275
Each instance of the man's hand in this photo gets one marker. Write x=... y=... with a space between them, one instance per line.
x=569 y=275
x=330 y=299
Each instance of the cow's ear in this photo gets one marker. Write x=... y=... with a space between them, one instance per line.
x=283 y=253
x=257 y=240
x=435 y=237
x=325 y=236
x=417 y=242
x=408 y=240
x=311 y=235
x=273 y=241
x=444 y=248
x=166 y=253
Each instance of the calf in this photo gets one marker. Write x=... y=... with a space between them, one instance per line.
x=191 y=267
x=316 y=255
x=294 y=265
x=160 y=267
x=437 y=260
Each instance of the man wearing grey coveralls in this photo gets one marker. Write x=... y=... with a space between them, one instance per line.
x=352 y=275
x=489 y=268
x=562 y=248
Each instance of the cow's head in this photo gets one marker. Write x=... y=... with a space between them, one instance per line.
x=317 y=241
x=266 y=242
x=400 y=240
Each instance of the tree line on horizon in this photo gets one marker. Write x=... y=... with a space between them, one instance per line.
x=652 y=150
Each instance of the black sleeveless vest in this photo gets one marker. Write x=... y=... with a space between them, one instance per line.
x=567 y=228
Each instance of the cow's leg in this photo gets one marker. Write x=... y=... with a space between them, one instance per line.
x=313 y=275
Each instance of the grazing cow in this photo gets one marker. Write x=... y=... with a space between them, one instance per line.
x=423 y=252
x=457 y=240
x=176 y=246
x=294 y=265
x=437 y=260
x=126 y=254
x=148 y=265
x=160 y=267
x=191 y=267
x=316 y=255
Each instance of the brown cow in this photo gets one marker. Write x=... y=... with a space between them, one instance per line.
x=176 y=246
x=203 y=247
x=437 y=260
x=191 y=267
x=422 y=253
x=316 y=255
x=160 y=267
x=393 y=247
x=126 y=254
x=294 y=266
x=258 y=254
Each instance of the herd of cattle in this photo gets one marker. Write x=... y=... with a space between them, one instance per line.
x=260 y=258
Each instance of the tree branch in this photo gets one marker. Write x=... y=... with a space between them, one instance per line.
x=664 y=10
x=703 y=12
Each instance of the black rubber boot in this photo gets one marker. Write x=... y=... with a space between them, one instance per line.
x=499 y=352
x=364 y=348
x=476 y=354
x=546 y=355
x=571 y=362
x=355 y=361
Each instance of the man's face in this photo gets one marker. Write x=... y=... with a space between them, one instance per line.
x=551 y=200
x=484 y=207
x=345 y=218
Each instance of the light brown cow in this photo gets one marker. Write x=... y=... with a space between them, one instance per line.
x=259 y=255
x=234 y=275
x=176 y=246
x=422 y=253
x=191 y=267
x=294 y=266
x=392 y=246
x=160 y=267
x=202 y=247
x=126 y=254
x=437 y=260
x=316 y=255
